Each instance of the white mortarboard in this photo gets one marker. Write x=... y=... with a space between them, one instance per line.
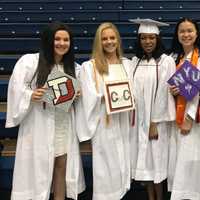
x=148 y=25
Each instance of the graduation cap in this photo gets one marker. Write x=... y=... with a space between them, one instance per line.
x=148 y=25
x=61 y=90
x=187 y=79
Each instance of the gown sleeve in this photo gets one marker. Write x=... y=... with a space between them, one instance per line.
x=192 y=106
x=90 y=102
x=19 y=91
x=164 y=104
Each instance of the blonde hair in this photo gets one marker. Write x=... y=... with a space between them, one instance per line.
x=98 y=53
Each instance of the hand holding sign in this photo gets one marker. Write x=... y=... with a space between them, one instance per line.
x=187 y=79
x=37 y=94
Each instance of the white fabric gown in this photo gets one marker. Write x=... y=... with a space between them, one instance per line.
x=34 y=159
x=184 y=163
x=110 y=143
x=149 y=158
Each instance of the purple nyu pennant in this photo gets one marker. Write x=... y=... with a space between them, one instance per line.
x=187 y=79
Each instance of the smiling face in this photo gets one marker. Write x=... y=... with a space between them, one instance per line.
x=187 y=34
x=148 y=42
x=61 y=44
x=109 y=41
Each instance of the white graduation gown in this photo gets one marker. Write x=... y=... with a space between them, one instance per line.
x=110 y=143
x=149 y=158
x=34 y=158
x=184 y=162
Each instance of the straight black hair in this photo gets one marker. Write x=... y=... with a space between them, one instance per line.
x=176 y=46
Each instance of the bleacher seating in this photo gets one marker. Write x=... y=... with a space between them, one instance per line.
x=93 y=15
x=65 y=16
x=162 y=15
x=3 y=89
x=86 y=29
x=6 y=132
x=7 y=63
x=160 y=5
x=82 y=45
x=21 y=22
x=60 y=5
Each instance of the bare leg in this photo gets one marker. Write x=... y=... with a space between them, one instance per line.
x=159 y=191
x=59 y=177
x=150 y=190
